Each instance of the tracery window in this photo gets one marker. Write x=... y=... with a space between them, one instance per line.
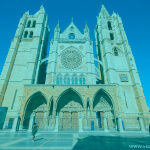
x=76 y=80
x=82 y=79
x=109 y=25
x=31 y=34
x=67 y=80
x=59 y=80
x=25 y=34
x=71 y=59
x=73 y=79
x=29 y=23
x=34 y=23
x=115 y=52
x=72 y=29
x=111 y=36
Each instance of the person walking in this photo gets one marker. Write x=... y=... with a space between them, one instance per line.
x=34 y=130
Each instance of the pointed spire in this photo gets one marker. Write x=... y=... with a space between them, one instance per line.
x=103 y=11
x=86 y=28
x=72 y=19
x=57 y=28
x=86 y=32
x=42 y=9
x=27 y=12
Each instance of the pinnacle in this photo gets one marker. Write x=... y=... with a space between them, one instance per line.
x=103 y=11
x=41 y=7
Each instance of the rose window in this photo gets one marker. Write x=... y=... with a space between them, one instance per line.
x=71 y=59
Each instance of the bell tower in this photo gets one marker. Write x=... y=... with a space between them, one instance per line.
x=27 y=49
x=117 y=61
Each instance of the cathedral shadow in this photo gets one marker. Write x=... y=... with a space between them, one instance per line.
x=109 y=142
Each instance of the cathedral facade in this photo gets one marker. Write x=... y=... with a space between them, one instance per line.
x=64 y=90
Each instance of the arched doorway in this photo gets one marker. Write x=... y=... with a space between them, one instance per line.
x=36 y=104
x=103 y=107
x=69 y=108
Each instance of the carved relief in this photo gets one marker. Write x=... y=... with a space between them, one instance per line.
x=102 y=105
x=72 y=106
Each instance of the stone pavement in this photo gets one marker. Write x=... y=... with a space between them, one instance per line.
x=75 y=141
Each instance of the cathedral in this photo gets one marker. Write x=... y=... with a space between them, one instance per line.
x=63 y=89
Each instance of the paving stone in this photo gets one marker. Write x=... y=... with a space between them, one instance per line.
x=74 y=141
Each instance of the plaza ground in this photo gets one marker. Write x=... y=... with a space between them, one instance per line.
x=75 y=141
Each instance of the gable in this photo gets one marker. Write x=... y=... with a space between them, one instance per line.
x=71 y=31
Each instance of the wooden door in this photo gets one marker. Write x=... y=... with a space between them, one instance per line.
x=66 y=120
x=74 y=120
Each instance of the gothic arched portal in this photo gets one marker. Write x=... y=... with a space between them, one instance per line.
x=103 y=107
x=69 y=105
x=36 y=104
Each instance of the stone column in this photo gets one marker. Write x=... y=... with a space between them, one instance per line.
x=141 y=123
x=120 y=128
x=88 y=117
x=15 y=124
x=80 y=123
x=53 y=118
x=46 y=119
x=54 y=114
x=57 y=124
x=70 y=120
x=105 y=124
x=91 y=109
x=21 y=122
x=32 y=119
x=50 y=121
x=85 y=119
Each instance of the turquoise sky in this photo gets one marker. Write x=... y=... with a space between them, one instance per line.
x=135 y=15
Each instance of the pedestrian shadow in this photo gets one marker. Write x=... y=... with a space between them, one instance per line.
x=39 y=139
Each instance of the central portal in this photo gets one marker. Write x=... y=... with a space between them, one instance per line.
x=69 y=121
x=68 y=107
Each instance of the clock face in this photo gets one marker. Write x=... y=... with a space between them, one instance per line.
x=71 y=59
x=123 y=77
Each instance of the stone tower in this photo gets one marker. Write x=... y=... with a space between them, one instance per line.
x=22 y=64
x=117 y=62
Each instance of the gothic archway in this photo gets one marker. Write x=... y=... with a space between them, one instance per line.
x=37 y=104
x=103 y=107
x=69 y=107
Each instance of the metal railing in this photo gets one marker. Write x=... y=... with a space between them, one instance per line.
x=146 y=122
x=130 y=123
